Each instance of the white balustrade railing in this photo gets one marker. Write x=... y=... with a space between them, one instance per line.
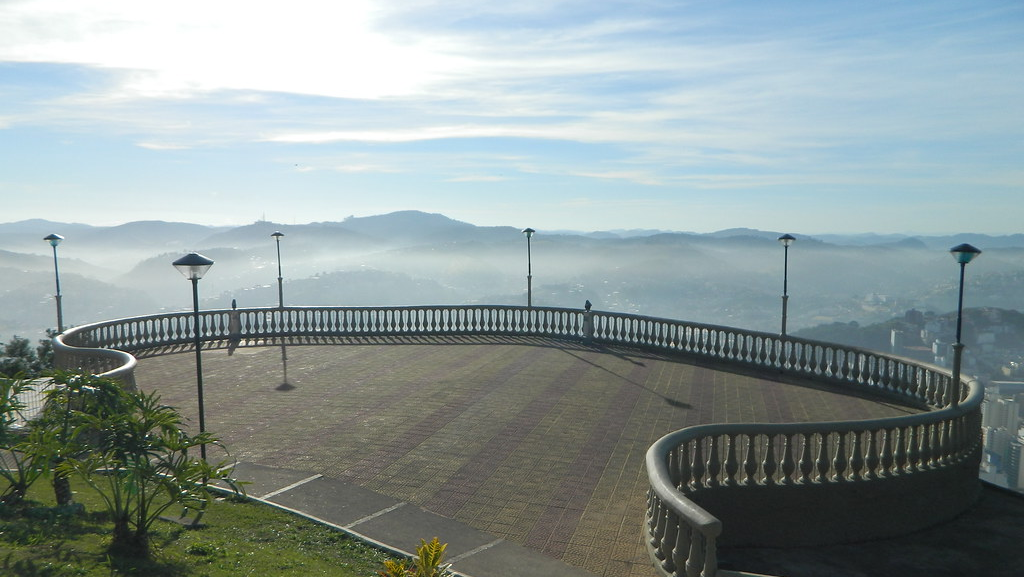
x=681 y=465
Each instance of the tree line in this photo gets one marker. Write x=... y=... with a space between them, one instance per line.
x=21 y=359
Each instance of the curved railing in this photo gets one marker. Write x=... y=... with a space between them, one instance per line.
x=690 y=470
x=113 y=363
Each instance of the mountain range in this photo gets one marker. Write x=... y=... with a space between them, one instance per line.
x=730 y=277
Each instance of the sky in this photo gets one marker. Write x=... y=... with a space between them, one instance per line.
x=806 y=117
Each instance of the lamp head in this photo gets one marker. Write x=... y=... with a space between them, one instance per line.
x=53 y=239
x=193 y=265
x=528 y=232
x=964 y=253
x=787 y=239
x=277 y=235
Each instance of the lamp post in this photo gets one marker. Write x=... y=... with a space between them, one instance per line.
x=54 y=240
x=963 y=254
x=280 y=282
x=193 y=266
x=786 y=240
x=529 y=267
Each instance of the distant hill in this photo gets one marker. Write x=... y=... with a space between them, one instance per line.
x=296 y=237
x=941 y=242
x=35 y=226
x=734 y=232
x=411 y=227
x=152 y=235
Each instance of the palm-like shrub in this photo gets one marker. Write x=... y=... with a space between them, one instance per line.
x=18 y=467
x=132 y=450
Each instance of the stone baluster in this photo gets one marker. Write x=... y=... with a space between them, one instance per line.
x=668 y=540
x=788 y=461
x=750 y=462
x=695 y=557
x=888 y=458
x=697 y=466
x=770 y=465
x=710 y=556
x=821 y=462
x=913 y=450
x=714 y=465
x=658 y=535
x=839 y=459
x=872 y=460
x=945 y=442
x=806 y=461
x=900 y=451
x=674 y=469
x=856 y=464
x=685 y=481
x=731 y=463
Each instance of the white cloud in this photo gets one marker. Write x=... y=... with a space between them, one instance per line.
x=303 y=46
x=161 y=146
x=478 y=178
x=408 y=134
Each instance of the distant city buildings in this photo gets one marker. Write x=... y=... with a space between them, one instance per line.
x=1003 y=429
x=994 y=354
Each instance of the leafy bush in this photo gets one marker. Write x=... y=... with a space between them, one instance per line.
x=128 y=447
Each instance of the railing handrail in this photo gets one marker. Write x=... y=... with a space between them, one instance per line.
x=215 y=326
x=915 y=383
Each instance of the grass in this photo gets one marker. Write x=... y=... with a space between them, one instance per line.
x=237 y=538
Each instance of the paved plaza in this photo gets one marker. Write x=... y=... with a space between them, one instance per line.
x=535 y=441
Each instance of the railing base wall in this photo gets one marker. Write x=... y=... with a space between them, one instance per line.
x=833 y=513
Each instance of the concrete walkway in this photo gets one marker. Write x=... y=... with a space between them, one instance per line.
x=529 y=448
x=396 y=525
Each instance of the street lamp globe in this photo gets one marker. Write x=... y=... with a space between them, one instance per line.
x=964 y=253
x=193 y=265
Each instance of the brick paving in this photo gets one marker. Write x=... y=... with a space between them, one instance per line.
x=536 y=441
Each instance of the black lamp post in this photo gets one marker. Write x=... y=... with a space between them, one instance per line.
x=786 y=240
x=193 y=266
x=54 y=240
x=963 y=254
x=280 y=282
x=529 y=267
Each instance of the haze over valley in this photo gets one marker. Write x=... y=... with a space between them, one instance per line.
x=731 y=277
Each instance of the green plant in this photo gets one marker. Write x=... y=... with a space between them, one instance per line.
x=238 y=538
x=137 y=457
x=53 y=436
x=429 y=562
x=17 y=466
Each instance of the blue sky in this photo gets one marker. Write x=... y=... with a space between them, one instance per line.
x=807 y=117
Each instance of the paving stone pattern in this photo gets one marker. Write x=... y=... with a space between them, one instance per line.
x=536 y=441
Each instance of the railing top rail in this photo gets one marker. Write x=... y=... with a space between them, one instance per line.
x=675 y=438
